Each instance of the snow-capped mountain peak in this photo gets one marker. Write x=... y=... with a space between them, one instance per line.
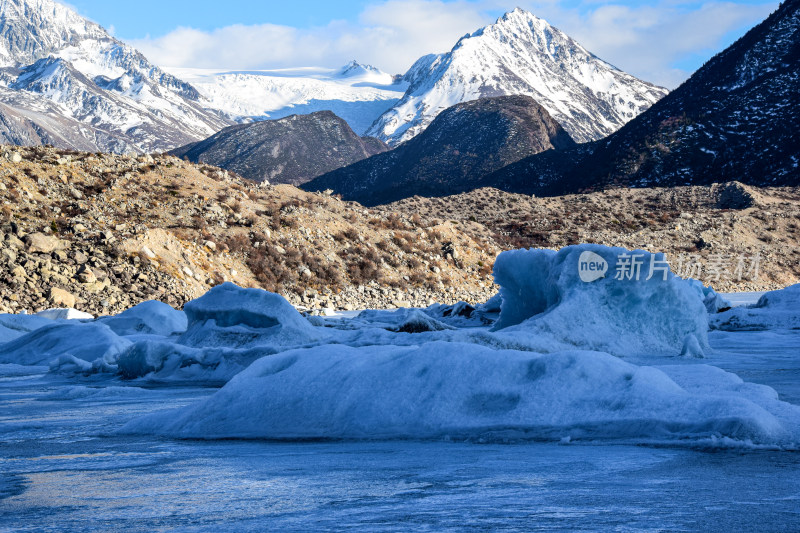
x=520 y=54
x=85 y=88
x=33 y=28
x=354 y=68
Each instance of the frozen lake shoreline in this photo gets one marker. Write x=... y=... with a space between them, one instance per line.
x=63 y=468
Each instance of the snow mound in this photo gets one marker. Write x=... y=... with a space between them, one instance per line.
x=231 y=316
x=774 y=310
x=152 y=317
x=65 y=314
x=81 y=343
x=15 y=326
x=590 y=296
x=168 y=361
x=463 y=391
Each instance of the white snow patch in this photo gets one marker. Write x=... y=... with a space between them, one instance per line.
x=65 y=314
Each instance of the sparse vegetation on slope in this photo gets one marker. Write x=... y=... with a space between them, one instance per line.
x=695 y=226
x=123 y=229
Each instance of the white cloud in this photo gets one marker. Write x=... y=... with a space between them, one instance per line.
x=646 y=40
x=390 y=35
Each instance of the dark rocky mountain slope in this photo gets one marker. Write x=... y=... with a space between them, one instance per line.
x=291 y=150
x=736 y=118
x=461 y=146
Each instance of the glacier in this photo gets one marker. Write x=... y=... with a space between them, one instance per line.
x=357 y=93
x=557 y=354
x=463 y=391
x=775 y=310
x=543 y=296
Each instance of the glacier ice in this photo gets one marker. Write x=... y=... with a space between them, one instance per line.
x=457 y=390
x=15 y=326
x=151 y=317
x=774 y=310
x=543 y=296
x=559 y=353
x=163 y=360
x=230 y=316
x=81 y=343
x=713 y=301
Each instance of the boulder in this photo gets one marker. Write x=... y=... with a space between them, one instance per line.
x=733 y=195
x=80 y=257
x=44 y=244
x=86 y=275
x=7 y=255
x=18 y=272
x=61 y=298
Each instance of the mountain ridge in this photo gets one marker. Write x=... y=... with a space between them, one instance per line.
x=520 y=54
x=461 y=145
x=58 y=68
x=290 y=150
x=733 y=119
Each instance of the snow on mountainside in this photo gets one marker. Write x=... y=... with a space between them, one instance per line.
x=520 y=54
x=58 y=69
x=357 y=93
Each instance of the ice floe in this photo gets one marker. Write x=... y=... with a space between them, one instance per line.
x=629 y=309
x=152 y=317
x=589 y=342
x=774 y=310
x=463 y=391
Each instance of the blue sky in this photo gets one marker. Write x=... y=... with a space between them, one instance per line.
x=132 y=20
x=661 y=41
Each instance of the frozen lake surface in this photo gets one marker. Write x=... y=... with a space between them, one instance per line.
x=64 y=468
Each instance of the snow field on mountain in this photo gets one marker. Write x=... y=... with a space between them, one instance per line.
x=563 y=352
x=73 y=69
x=356 y=93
